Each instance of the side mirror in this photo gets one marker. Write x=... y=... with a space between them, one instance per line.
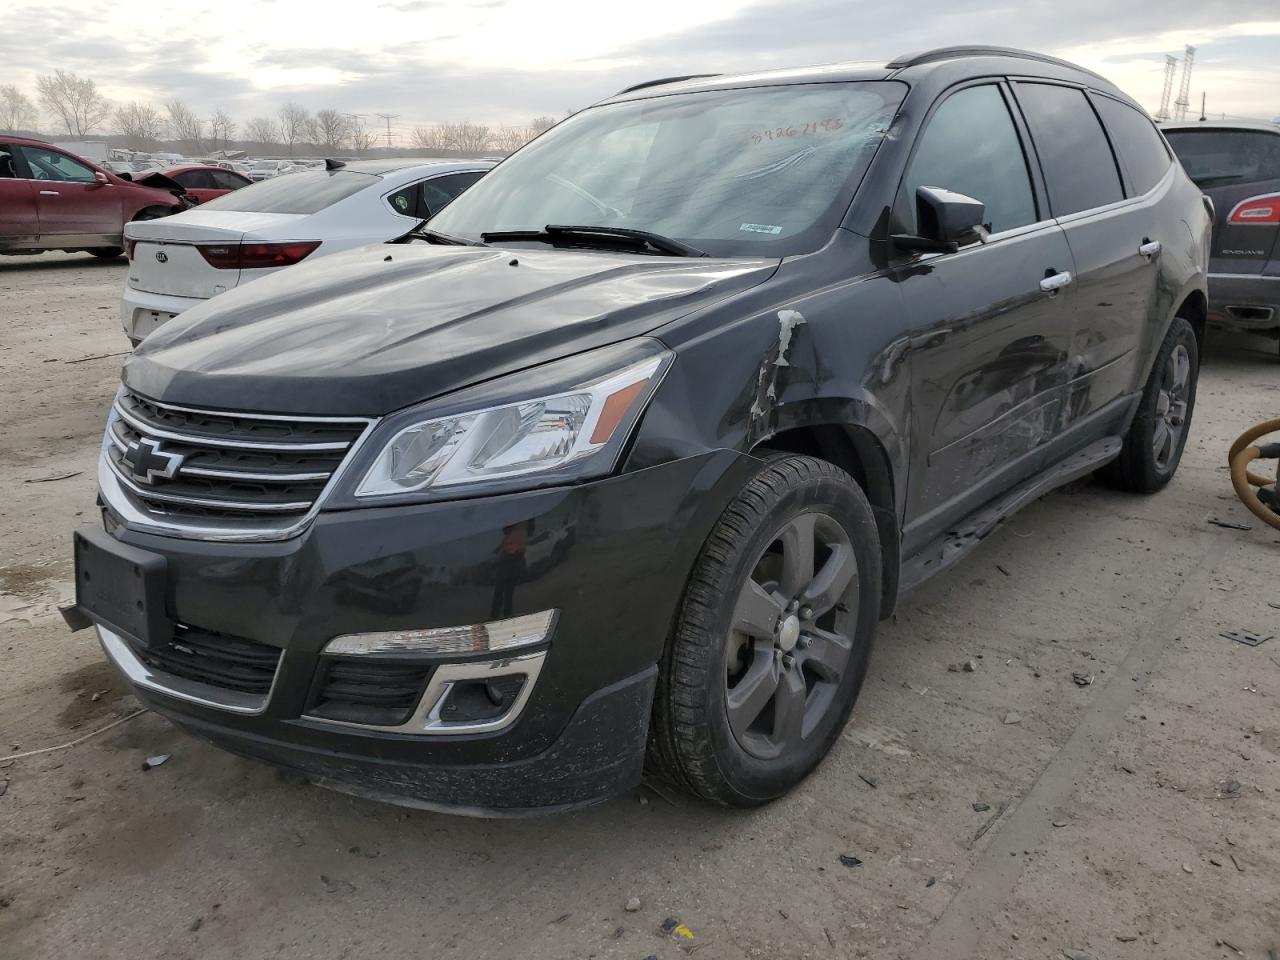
x=945 y=220
x=101 y=178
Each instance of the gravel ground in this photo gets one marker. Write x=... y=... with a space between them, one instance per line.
x=1136 y=817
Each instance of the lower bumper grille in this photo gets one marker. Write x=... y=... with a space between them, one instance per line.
x=218 y=660
x=376 y=692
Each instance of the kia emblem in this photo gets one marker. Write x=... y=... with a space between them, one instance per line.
x=162 y=257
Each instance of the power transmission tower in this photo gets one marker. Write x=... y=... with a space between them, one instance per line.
x=1170 y=68
x=395 y=116
x=1184 y=90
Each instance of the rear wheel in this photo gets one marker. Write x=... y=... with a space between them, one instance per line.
x=106 y=253
x=773 y=637
x=1156 y=438
x=151 y=213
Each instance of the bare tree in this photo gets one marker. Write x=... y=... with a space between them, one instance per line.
x=17 y=112
x=295 y=125
x=74 y=100
x=542 y=124
x=141 y=123
x=511 y=139
x=221 y=128
x=430 y=139
x=361 y=137
x=466 y=137
x=185 y=126
x=262 y=130
x=332 y=129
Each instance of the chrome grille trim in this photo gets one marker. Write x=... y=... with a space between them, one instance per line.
x=198 y=441
x=153 y=509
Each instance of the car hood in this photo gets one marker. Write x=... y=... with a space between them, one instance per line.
x=379 y=328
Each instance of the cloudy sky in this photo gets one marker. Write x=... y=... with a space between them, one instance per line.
x=502 y=61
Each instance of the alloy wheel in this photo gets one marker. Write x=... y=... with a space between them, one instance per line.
x=792 y=635
x=1171 y=406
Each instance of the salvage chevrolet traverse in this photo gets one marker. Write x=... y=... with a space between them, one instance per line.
x=619 y=462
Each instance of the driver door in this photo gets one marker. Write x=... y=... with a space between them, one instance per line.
x=990 y=347
x=71 y=203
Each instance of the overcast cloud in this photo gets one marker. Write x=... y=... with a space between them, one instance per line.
x=502 y=61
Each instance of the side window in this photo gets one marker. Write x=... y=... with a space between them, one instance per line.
x=1141 y=150
x=51 y=165
x=8 y=165
x=1078 y=165
x=194 y=180
x=405 y=202
x=226 y=180
x=971 y=146
x=439 y=192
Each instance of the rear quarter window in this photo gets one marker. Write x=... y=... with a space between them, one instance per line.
x=308 y=192
x=1075 y=156
x=1142 y=153
x=1220 y=158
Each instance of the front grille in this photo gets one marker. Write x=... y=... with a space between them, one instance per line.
x=378 y=692
x=233 y=466
x=219 y=660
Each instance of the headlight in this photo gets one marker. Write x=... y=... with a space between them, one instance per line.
x=544 y=436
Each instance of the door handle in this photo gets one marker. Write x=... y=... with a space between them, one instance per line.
x=50 y=193
x=1052 y=284
x=1150 y=248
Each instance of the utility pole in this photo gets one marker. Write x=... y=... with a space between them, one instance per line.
x=1170 y=68
x=1183 y=102
x=388 y=117
x=1203 y=118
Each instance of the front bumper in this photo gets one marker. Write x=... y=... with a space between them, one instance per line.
x=1244 y=301
x=611 y=556
x=142 y=313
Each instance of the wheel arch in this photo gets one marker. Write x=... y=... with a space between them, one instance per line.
x=859 y=452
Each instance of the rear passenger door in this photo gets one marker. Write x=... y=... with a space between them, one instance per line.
x=1116 y=241
x=990 y=343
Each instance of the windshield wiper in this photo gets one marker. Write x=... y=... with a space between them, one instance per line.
x=422 y=232
x=558 y=232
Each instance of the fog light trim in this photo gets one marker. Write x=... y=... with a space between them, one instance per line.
x=491 y=637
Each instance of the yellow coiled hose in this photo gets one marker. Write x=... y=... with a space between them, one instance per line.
x=1243 y=453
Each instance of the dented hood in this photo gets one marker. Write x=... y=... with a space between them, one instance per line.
x=379 y=328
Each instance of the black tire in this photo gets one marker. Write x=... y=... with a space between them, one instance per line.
x=692 y=741
x=107 y=253
x=151 y=213
x=1140 y=468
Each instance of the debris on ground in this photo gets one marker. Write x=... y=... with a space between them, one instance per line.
x=849 y=861
x=1077 y=955
x=1231 y=946
x=337 y=886
x=990 y=822
x=981 y=807
x=1003 y=570
x=969 y=666
x=1247 y=637
x=1059 y=823
x=932 y=881
x=1012 y=717
x=672 y=927
x=1235 y=862
x=4 y=787
x=98 y=695
x=1186 y=868
x=196 y=924
x=633 y=905
x=155 y=761
x=1081 y=678
x=869 y=781
x=56 y=476
x=1229 y=524
x=1126 y=937
x=1228 y=789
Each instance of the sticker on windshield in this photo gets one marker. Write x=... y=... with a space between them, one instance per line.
x=760 y=228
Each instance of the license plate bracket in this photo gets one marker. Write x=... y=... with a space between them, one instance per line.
x=122 y=587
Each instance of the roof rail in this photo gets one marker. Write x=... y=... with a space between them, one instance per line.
x=658 y=83
x=955 y=53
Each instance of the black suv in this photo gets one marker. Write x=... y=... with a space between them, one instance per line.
x=626 y=453
x=1237 y=165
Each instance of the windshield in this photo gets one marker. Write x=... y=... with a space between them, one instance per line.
x=768 y=171
x=306 y=192
x=1222 y=157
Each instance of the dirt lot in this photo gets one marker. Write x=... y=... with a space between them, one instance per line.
x=1137 y=817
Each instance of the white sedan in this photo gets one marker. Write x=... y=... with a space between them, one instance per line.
x=177 y=262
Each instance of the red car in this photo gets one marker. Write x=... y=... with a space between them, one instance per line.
x=54 y=200
x=204 y=183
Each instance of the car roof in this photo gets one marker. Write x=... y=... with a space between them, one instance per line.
x=948 y=63
x=181 y=167
x=1221 y=125
x=393 y=164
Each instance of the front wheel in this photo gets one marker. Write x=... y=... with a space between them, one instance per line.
x=1156 y=438
x=773 y=637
